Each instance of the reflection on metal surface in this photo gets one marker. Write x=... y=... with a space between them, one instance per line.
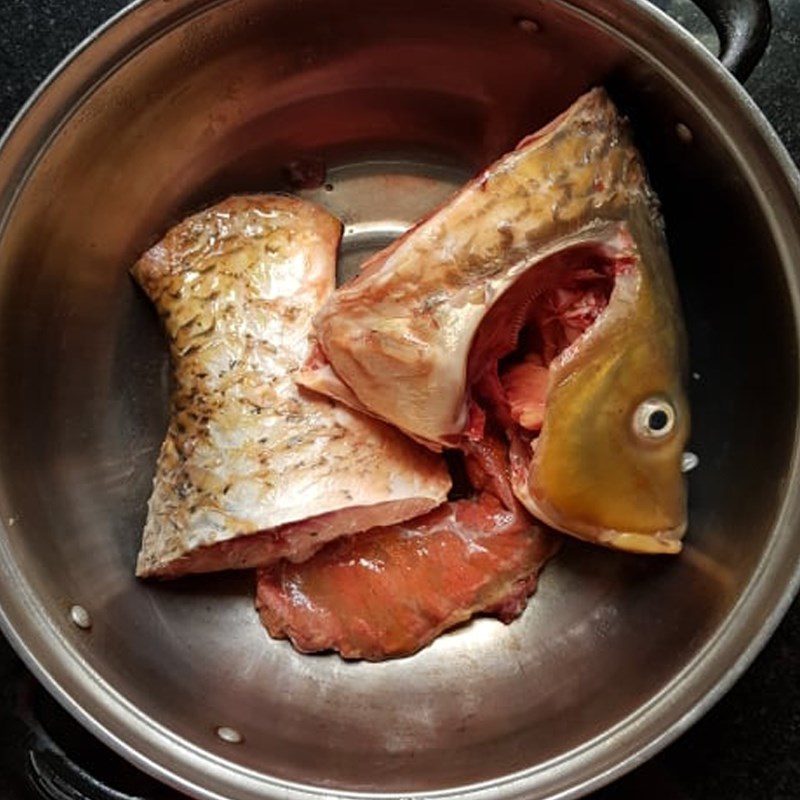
x=684 y=133
x=689 y=461
x=690 y=17
x=230 y=735
x=528 y=25
x=80 y=616
x=379 y=199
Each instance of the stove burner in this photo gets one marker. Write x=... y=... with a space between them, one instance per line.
x=65 y=762
x=45 y=754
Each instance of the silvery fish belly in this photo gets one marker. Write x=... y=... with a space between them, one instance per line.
x=252 y=468
x=539 y=300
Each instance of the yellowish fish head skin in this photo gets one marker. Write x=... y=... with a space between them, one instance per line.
x=607 y=465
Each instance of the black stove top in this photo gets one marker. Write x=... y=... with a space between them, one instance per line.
x=746 y=748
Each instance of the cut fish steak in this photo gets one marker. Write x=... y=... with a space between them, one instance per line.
x=252 y=468
x=542 y=296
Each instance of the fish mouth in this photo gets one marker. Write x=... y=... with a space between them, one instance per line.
x=662 y=542
x=658 y=542
x=538 y=321
x=536 y=336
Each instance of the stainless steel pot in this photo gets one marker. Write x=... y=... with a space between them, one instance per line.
x=178 y=102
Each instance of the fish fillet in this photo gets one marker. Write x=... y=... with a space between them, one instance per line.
x=252 y=468
x=389 y=592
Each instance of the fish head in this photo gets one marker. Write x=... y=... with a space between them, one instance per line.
x=606 y=466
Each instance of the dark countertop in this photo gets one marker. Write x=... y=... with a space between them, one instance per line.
x=748 y=746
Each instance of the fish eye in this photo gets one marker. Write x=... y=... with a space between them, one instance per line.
x=654 y=419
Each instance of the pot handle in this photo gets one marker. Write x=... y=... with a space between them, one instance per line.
x=743 y=27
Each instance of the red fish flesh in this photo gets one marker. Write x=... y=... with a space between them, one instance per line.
x=390 y=591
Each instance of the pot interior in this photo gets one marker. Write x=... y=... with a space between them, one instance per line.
x=402 y=102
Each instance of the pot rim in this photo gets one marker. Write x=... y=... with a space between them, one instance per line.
x=188 y=767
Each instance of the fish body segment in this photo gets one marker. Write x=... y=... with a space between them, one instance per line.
x=253 y=468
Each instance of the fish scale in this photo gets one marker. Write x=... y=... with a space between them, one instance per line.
x=252 y=469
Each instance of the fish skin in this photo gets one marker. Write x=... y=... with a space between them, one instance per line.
x=399 y=335
x=252 y=468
